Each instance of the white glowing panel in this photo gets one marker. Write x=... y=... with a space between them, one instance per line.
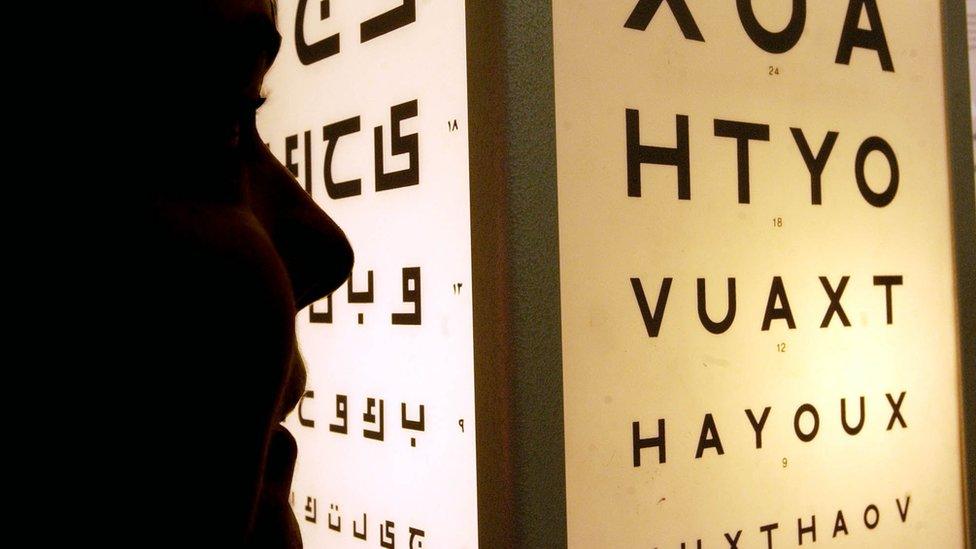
x=368 y=107
x=647 y=381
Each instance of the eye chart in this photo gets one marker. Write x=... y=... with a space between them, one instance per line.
x=367 y=106
x=759 y=339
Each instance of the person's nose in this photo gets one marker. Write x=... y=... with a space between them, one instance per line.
x=314 y=249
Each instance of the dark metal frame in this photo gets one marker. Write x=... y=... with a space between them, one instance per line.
x=960 y=137
x=515 y=256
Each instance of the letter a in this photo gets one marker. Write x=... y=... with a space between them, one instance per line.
x=872 y=38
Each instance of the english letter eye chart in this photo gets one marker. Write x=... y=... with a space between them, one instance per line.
x=367 y=107
x=758 y=308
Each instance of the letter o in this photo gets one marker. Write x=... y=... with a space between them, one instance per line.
x=773 y=42
x=877 y=516
x=806 y=408
x=871 y=144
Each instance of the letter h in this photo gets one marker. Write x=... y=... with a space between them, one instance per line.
x=638 y=154
x=641 y=443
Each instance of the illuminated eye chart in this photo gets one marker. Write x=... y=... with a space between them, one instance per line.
x=696 y=258
x=367 y=106
x=758 y=308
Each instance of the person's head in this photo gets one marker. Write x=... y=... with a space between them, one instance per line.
x=214 y=250
x=237 y=248
x=225 y=50
x=246 y=247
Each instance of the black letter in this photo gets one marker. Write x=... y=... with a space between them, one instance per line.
x=843 y=417
x=903 y=513
x=773 y=42
x=873 y=38
x=806 y=437
x=758 y=426
x=743 y=132
x=318 y=317
x=777 y=292
x=877 y=516
x=310 y=53
x=644 y=11
x=331 y=134
x=342 y=402
x=896 y=411
x=657 y=441
x=709 y=437
x=888 y=282
x=697 y=545
x=651 y=322
x=638 y=154
x=353 y=296
x=400 y=144
x=840 y=524
x=815 y=164
x=812 y=529
x=875 y=199
x=716 y=327
x=834 y=297
x=302 y=420
x=391 y=20
x=769 y=533
x=411 y=277
x=733 y=542
x=291 y=143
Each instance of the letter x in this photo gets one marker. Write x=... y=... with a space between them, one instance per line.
x=896 y=410
x=644 y=11
x=834 y=296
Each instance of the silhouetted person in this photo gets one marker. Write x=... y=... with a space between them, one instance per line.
x=235 y=248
